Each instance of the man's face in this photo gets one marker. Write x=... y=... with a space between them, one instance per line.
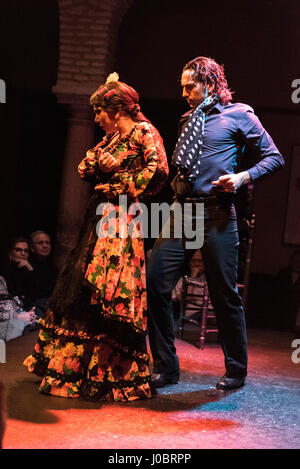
x=41 y=245
x=193 y=91
x=19 y=252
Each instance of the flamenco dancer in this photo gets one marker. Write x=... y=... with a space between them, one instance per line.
x=92 y=339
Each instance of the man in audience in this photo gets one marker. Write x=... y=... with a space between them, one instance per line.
x=40 y=244
x=44 y=271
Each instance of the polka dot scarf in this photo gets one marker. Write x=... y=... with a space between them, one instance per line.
x=188 y=150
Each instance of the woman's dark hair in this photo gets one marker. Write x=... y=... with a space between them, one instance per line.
x=118 y=96
x=209 y=72
x=14 y=241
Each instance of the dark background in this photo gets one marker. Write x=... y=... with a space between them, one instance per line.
x=256 y=40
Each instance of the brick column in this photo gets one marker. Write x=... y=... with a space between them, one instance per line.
x=88 y=32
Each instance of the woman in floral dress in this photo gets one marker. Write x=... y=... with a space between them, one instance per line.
x=92 y=340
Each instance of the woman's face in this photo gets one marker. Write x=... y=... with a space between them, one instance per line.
x=106 y=120
x=19 y=252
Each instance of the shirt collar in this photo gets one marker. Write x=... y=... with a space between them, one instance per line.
x=217 y=108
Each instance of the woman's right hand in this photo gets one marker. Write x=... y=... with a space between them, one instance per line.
x=107 y=162
x=28 y=316
x=25 y=263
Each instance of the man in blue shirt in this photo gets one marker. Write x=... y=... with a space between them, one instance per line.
x=212 y=135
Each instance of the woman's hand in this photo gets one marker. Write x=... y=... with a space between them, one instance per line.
x=91 y=160
x=106 y=189
x=28 y=316
x=25 y=263
x=91 y=155
x=107 y=162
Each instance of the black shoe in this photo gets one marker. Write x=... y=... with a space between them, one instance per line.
x=162 y=379
x=226 y=383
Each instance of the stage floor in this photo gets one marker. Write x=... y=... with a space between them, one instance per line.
x=190 y=415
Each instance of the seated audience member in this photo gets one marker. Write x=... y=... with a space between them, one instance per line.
x=13 y=318
x=196 y=271
x=289 y=295
x=197 y=266
x=44 y=272
x=17 y=270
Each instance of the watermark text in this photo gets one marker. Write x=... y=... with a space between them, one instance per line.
x=296 y=93
x=296 y=353
x=2 y=91
x=2 y=351
x=184 y=221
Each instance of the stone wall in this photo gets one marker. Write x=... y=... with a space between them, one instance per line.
x=88 y=36
x=88 y=33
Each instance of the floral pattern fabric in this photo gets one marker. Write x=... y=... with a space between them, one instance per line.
x=143 y=166
x=108 y=360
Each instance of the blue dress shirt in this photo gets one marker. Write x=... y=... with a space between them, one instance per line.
x=229 y=130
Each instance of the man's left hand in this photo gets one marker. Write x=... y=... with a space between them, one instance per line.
x=232 y=182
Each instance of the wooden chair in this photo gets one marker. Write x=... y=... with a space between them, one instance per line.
x=199 y=304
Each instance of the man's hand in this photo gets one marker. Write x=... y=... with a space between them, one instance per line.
x=232 y=182
x=107 y=162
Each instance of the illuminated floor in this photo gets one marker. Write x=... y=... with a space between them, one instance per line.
x=192 y=414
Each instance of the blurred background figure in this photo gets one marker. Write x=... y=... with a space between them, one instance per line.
x=44 y=271
x=29 y=271
x=40 y=244
x=196 y=271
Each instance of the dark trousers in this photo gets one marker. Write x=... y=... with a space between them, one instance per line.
x=220 y=256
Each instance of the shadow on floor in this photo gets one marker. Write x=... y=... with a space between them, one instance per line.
x=24 y=402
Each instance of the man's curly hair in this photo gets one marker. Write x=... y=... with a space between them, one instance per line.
x=209 y=72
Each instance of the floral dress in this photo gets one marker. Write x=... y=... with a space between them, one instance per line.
x=92 y=339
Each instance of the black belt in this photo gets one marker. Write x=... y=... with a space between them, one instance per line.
x=203 y=199
x=208 y=199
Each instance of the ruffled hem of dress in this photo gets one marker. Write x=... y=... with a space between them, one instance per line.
x=83 y=336
x=77 y=386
